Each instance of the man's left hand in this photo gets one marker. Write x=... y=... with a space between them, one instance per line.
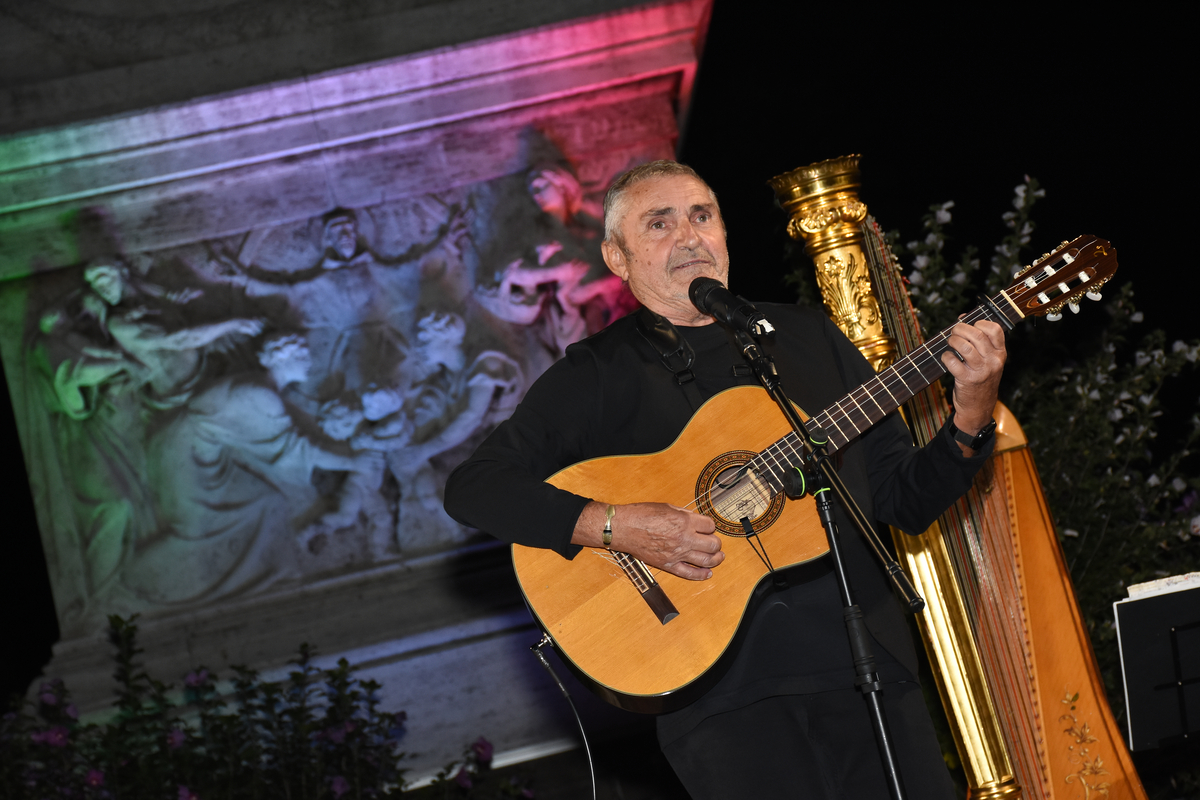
x=977 y=376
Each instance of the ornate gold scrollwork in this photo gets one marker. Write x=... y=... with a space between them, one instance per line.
x=1089 y=768
x=846 y=287
x=851 y=211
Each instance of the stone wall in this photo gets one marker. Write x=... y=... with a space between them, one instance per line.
x=248 y=335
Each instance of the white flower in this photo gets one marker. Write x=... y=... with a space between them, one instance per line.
x=942 y=216
x=1178 y=346
x=1141 y=359
x=934 y=240
x=1153 y=480
x=1179 y=484
x=1124 y=396
x=916 y=278
x=959 y=277
x=1094 y=394
x=1137 y=316
x=1145 y=399
x=921 y=261
x=1071 y=532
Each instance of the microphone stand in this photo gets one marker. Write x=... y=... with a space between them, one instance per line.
x=823 y=478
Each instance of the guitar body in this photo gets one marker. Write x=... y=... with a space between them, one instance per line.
x=600 y=622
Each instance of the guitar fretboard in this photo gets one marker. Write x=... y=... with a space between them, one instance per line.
x=862 y=408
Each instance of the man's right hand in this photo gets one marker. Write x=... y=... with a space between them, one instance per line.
x=661 y=535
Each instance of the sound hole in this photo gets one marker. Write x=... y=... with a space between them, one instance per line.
x=727 y=491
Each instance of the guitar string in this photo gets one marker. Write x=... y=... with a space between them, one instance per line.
x=906 y=366
x=774 y=459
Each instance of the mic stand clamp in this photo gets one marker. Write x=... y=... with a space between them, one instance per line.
x=822 y=480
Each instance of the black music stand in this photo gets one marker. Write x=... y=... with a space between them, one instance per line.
x=1159 y=636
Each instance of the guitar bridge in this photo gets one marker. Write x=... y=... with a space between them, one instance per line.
x=650 y=590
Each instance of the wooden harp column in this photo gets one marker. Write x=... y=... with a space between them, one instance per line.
x=1003 y=632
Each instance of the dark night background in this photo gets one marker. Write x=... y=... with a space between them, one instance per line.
x=1098 y=111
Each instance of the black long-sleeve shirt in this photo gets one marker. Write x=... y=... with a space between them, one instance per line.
x=611 y=395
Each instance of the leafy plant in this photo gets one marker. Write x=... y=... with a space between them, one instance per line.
x=318 y=734
x=472 y=777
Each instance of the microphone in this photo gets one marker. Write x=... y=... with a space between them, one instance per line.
x=709 y=296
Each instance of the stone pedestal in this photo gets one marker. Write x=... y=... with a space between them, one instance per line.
x=248 y=335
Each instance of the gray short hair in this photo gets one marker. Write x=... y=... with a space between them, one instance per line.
x=614 y=206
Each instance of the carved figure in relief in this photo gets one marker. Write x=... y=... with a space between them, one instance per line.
x=113 y=355
x=354 y=304
x=448 y=402
x=171 y=359
x=557 y=281
x=234 y=486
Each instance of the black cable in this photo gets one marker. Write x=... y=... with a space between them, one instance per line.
x=537 y=651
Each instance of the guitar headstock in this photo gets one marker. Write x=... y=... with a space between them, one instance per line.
x=1057 y=279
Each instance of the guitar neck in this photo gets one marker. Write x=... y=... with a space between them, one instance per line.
x=855 y=413
x=862 y=408
x=1044 y=288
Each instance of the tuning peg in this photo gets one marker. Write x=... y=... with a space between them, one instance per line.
x=1093 y=295
x=1071 y=304
x=1055 y=317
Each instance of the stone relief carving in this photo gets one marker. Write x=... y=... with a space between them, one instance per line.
x=265 y=409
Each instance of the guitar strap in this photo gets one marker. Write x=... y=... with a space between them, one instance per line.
x=673 y=350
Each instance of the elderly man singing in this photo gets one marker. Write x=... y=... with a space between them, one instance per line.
x=785 y=719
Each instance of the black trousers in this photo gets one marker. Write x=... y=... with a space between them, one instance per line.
x=813 y=746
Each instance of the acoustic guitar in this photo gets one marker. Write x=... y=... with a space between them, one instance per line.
x=649 y=641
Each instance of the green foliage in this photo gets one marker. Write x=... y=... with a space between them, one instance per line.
x=318 y=734
x=940 y=290
x=472 y=777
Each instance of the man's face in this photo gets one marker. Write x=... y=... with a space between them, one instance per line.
x=673 y=234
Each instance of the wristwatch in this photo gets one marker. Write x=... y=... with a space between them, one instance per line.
x=977 y=441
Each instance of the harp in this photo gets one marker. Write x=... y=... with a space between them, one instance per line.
x=1002 y=629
